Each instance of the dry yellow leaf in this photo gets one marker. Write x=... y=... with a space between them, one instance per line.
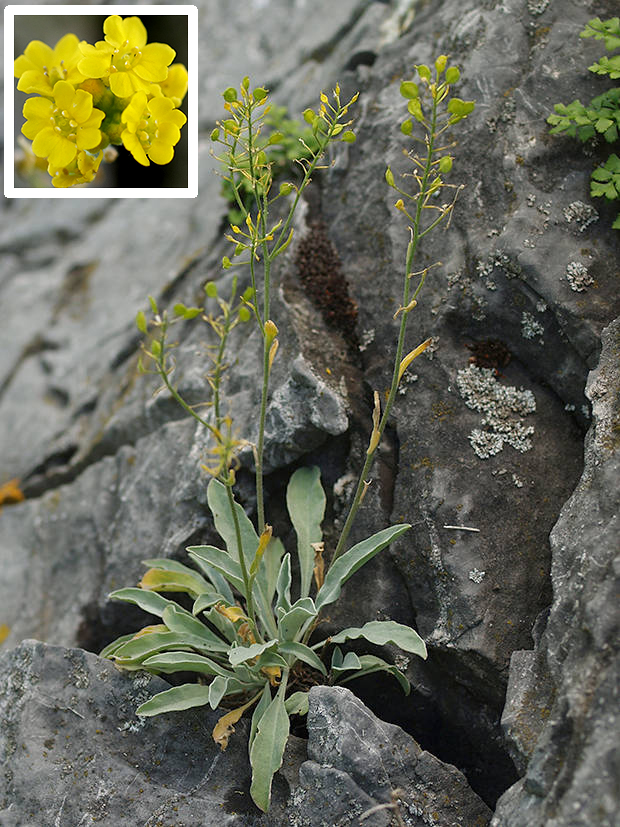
x=10 y=493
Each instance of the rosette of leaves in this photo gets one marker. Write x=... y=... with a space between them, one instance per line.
x=248 y=634
x=602 y=116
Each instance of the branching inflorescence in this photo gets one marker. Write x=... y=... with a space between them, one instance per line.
x=251 y=635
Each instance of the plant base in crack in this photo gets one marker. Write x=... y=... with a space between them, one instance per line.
x=251 y=630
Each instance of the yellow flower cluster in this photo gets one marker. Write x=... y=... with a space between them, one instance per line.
x=122 y=90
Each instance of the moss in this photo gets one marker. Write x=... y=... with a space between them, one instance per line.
x=321 y=275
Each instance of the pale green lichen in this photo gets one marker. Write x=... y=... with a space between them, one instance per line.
x=502 y=408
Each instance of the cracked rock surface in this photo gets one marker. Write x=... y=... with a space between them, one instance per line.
x=487 y=434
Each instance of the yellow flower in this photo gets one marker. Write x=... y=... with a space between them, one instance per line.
x=40 y=67
x=125 y=58
x=153 y=129
x=61 y=127
x=175 y=85
x=81 y=170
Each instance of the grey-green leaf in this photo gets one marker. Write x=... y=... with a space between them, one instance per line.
x=151 y=602
x=220 y=508
x=382 y=632
x=221 y=561
x=242 y=653
x=297 y=703
x=170 y=662
x=180 y=620
x=348 y=663
x=259 y=711
x=302 y=652
x=267 y=751
x=291 y=622
x=371 y=663
x=348 y=563
x=305 y=500
x=283 y=585
x=217 y=690
x=177 y=698
x=205 y=601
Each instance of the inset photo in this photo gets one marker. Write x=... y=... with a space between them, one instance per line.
x=103 y=101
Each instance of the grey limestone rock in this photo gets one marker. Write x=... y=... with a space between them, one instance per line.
x=348 y=743
x=562 y=715
x=74 y=751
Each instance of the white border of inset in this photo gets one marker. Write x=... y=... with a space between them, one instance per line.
x=191 y=191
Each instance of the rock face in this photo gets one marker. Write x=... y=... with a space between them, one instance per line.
x=370 y=758
x=487 y=434
x=74 y=751
x=561 y=712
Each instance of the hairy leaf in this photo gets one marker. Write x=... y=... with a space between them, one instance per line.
x=239 y=654
x=151 y=602
x=371 y=663
x=305 y=500
x=381 y=632
x=348 y=563
x=297 y=703
x=221 y=561
x=175 y=699
x=267 y=751
x=182 y=621
x=304 y=653
x=135 y=651
x=283 y=585
x=291 y=622
x=171 y=662
x=220 y=508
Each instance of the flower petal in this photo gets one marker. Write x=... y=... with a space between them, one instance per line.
x=64 y=94
x=87 y=137
x=81 y=106
x=132 y=114
x=21 y=65
x=39 y=53
x=32 y=128
x=45 y=141
x=168 y=133
x=34 y=81
x=96 y=60
x=177 y=117
x=38 y=108
x=161 y=108
x=63 y=153
x=131 y=142
x=114 y=30
x=96 y=116
x=67 y=49
x=135 y=32
x=160 y=152
x=121 y=85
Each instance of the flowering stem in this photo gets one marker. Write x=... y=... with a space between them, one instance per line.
x=407 y=299
x=244 y=570
x=268 y=257
x=260 y=498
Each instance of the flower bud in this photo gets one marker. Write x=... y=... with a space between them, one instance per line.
x=271 y=330
x=440 y=63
